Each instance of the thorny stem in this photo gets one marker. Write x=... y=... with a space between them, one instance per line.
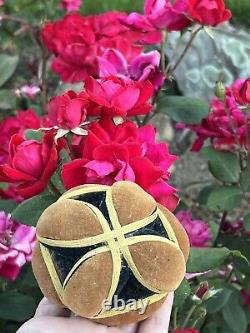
x=183 y=54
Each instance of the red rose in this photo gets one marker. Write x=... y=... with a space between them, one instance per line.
x=209 y=12
x=116 y=97
x=185 y=330
x=241 y=90
x=31 y=164
x=112 y=153
x=67 y=111
x=76 y=41
x=72 y=40
x=12 y=125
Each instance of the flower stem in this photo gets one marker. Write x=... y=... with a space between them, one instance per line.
x=163 y=55
x=175 y=318
x=222 y=222
x=189 y=315
x=183 y=54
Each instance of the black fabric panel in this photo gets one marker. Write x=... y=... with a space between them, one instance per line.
x=65 y=258
x=155 y=228
x=97 y=199
x=129 y=287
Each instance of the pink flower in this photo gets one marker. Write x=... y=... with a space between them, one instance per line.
x=30 y=90
x=159 y=14
x=114 y=96
x=1 y=2
x=241 y=90
x=166 y=14
x=142 y=68
x=225 y=125
x=71 y=5
x=11 y=125
x=197 y=230
x=67 y=111
x=112 y=153
x=16 y=244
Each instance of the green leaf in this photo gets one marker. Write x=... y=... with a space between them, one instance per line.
x=223 y=165
x=234 y=315
x=29 y=211
x=247 y=222
x=224 y=198
x=245 y=180
x=218 y=301
x=34 y=135
x=7 y=100
x=182 y=293
x=7 y=205
x=188 y=110
x=8 y=66
x=205 y=259
x=56 y=178
x=16 y=306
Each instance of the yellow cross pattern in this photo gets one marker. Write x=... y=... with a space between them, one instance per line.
x=115 y=242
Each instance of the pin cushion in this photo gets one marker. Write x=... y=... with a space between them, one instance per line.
x=100 y=242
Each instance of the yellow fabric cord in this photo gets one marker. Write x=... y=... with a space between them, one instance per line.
x=115 y=242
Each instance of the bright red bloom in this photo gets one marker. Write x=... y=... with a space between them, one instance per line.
x=241 y=90
x=12 y=125
x=113 y=153
x=67 y=111
x=30 y=165
x=185 y=330
x=209 y=12
x=72 y=40
x=77 y=41
x=225 y=125
x=116 y=97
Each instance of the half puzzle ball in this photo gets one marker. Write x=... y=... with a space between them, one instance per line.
x=109 y=253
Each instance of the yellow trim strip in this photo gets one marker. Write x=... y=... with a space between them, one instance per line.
x=99 y=238
x=80 y=191
x=123 y=242
x=52 y=271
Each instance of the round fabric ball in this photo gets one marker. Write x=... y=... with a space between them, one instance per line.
x=108 y=252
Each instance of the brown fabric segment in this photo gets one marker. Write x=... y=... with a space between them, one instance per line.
x=68 y=219
x=131 y=202
x=43 y=278
x=89 y=285
x=132 y=316
x=179 y=231
x=161 y=265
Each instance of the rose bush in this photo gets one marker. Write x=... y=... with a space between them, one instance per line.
x=81 y=104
